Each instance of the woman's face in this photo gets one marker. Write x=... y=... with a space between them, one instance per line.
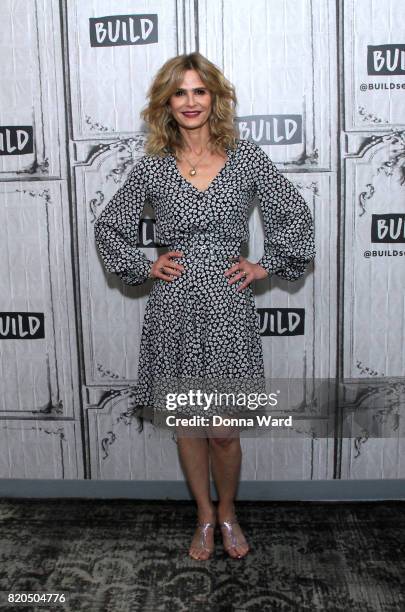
x=192 y=95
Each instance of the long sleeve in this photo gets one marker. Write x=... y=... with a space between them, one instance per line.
x=116 y=230
x=288 y=225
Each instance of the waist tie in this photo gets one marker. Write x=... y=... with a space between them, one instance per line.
x=204 y=246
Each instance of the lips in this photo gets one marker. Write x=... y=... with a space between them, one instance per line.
x=191 y=113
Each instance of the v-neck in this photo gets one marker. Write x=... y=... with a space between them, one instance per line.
x=229 y=152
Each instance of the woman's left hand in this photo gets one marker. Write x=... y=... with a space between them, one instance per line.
x=247 y=270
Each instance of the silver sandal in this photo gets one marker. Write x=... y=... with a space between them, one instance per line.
x=203 y=540
x=227 y=525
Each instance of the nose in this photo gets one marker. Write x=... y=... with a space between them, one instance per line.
x=190 y=100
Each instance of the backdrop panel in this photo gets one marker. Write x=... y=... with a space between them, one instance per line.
x=319 y=86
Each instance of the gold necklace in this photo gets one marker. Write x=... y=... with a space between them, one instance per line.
x=193 y=170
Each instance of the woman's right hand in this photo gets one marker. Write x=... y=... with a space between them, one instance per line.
x=165 y=268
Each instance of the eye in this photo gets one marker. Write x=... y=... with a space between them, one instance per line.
x=199 y=91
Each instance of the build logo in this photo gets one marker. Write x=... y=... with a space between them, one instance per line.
x=281 y=321
x=119 y=30
x=388 y=228
x=387 y=60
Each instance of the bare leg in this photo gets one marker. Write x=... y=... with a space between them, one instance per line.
x=193 y=452
x=226 y=457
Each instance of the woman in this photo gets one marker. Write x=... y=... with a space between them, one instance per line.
x=200 y=320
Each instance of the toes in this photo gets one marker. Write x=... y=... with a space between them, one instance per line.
x=242 y=550
x=238 y=551
x=193 y=553
x=199 y=555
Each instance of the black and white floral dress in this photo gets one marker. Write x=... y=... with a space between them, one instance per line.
x=197 y=327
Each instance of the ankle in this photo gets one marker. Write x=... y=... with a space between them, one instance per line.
x=206 y=514
x=226 y=510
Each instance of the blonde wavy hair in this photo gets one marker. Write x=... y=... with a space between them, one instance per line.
x=164 y=135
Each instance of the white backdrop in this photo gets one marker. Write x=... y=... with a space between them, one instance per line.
x=320 y=87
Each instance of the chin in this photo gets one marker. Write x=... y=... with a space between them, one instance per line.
x=192 y=122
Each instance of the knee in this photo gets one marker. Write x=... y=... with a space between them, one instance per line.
x=223 y=443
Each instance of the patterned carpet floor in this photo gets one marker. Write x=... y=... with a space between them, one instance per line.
x=125 y=555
